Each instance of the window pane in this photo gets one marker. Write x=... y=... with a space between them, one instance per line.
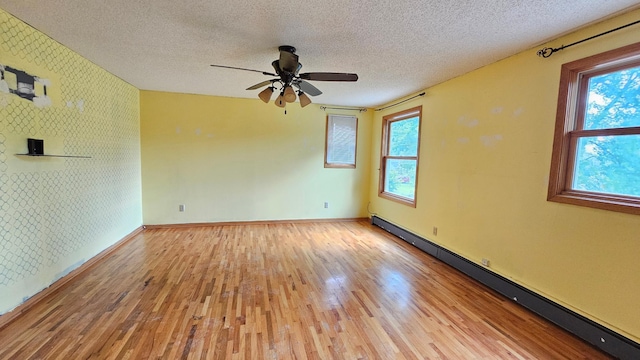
x=613 y=100
x=608 y=164
x=403 y=137
x=341 y=140
x=401 y=178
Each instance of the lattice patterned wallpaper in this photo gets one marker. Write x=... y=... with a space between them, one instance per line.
x=56 y=213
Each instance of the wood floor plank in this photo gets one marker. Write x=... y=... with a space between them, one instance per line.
x=321 y=290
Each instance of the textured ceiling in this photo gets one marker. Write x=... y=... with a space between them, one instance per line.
x=397 y=47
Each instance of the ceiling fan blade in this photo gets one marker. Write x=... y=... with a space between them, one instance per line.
x=238 y=68
x=288 y=61
x=328 y=76
x=261 y=84
x=307 y=87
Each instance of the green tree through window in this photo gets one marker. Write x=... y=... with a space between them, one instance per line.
x=596 y=155
x=399 y=161
x=610 y=164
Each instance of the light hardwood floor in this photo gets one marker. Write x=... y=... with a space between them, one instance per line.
x=343 y=290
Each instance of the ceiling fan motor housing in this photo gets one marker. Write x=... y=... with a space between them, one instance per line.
x=287 y=48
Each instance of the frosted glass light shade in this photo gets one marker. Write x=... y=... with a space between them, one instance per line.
x=289 y=94
x=280 y=101
x=265 y=95
x=304 y=99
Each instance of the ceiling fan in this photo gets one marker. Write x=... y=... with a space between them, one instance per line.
x=288 y=76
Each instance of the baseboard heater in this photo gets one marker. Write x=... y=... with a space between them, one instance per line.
x=586 y=329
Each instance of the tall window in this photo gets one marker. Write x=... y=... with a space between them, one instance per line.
x=399 y=160
x=596 y=153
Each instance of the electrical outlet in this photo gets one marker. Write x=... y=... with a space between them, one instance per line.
x=326 y=204
x=485 y=262
x=435 y=230
x=181 y=207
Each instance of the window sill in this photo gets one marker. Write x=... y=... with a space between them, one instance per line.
x=339 y=166
x=617 y=203
x=398 y=199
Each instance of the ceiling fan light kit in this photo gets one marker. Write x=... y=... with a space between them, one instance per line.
x=265 y=95
x=304 y=99
x=289 y=94
x=287 y=74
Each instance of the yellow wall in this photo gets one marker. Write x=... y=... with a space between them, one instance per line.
x=56 y=213
x=484 y=166
x=229 y=159
x=485 y=154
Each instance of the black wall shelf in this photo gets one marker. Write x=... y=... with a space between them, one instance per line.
x=60 y=156
x=35 y=147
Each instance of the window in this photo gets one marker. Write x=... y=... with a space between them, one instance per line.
x=399 y=158
x=340 y=141
x=596 y=150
